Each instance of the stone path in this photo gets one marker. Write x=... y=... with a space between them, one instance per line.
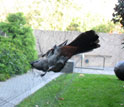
x=14 y=90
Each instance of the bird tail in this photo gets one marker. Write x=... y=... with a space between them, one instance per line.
x=85 y=42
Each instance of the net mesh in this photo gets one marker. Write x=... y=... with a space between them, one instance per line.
x=17 y=88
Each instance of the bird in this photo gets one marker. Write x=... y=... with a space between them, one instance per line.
x=56 y=57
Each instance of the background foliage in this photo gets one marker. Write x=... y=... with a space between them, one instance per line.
x=64 y=15
x=17 y=46
x=118 y=15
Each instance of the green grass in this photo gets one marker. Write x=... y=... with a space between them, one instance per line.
x=77 y=90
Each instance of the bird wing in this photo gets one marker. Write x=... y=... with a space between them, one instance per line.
x=59 y=65
x=51 y=51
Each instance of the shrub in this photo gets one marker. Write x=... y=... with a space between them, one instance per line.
x=18 y=48
x=22 y=35
x=97 y=23
x=103 y=28
x=75 y=25
x=12 y=60
x=108 y=27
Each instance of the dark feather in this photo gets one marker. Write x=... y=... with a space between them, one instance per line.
x=85 y=42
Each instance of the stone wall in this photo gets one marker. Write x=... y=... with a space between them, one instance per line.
x=107 y=55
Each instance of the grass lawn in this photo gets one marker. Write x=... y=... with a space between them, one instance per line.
x=78 y=90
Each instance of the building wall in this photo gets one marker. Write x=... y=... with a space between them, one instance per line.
x=107 y=55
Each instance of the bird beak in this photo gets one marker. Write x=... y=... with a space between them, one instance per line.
x=31 y=63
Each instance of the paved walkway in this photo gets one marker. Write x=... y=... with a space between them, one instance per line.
x=16 y=89
x=106 y=71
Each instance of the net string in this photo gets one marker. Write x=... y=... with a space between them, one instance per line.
x=59 y=94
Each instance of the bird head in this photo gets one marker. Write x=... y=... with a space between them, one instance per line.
x=41 y=64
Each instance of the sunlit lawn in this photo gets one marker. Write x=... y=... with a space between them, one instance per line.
x=78 y=90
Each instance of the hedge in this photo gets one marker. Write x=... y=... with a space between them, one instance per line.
x=17 y=46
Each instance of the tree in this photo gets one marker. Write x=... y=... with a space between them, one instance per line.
x=118 y=15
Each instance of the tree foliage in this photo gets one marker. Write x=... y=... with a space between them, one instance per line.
x=118 y=15
x=63 y=15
